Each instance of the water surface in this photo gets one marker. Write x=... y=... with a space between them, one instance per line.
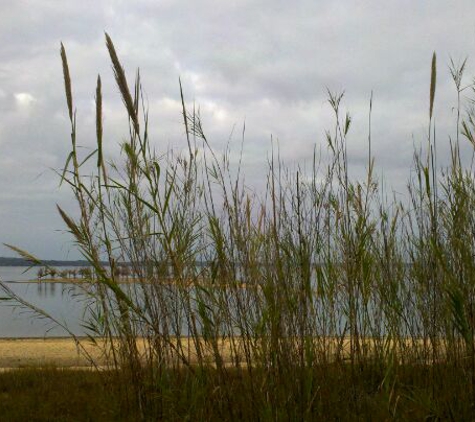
x=64 y=301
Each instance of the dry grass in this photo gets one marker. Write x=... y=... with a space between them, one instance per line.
x=356 y=306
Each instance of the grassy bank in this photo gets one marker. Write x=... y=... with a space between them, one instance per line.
x=65 y=395
x=60 y=395
x=324 y=259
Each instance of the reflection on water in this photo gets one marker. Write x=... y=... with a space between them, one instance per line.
x=51 y=289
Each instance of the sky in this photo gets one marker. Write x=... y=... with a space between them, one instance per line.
x=266 y=63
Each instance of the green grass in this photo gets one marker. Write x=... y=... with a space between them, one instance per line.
x=355 y=305
x=65 y=395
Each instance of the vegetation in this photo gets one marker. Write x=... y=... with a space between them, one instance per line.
x=121 y=272
x=45 y=394
x=333 y=300
x=48 y=394
x=50 y=273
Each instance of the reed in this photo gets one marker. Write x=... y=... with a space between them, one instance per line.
x=318 y=298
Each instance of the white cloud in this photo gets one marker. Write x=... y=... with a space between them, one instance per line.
x=24 y=99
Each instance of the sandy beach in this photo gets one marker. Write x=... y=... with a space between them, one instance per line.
x=61 y=352
x=65 y=353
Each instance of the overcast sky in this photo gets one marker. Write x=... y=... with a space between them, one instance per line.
x=265 y=62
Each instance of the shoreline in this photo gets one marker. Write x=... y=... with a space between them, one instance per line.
x=170 y=282
x=64 y=352
x=61 y=352
x=64 y=281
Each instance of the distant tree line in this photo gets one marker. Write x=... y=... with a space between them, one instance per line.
x=21 y=262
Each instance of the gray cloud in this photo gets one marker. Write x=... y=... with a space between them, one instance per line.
x=266 y=62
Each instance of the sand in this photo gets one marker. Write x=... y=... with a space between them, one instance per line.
x=60 y=352
x=65 y=353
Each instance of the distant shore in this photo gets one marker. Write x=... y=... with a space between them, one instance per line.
x=71 y=280
x=130 y=280
x=21 y=262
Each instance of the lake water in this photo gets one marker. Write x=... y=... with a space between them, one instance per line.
x=66 y=302
x=63 y=301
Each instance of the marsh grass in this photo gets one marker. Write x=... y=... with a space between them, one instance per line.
x=335 y=301
x=45 y=394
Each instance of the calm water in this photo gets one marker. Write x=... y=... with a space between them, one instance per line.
x=63 y=301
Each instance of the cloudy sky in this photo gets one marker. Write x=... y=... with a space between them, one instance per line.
x=266 y=62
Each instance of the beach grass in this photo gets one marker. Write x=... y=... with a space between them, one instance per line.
x=335 y=300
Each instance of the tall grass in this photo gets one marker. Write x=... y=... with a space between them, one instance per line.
x=278 y=305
